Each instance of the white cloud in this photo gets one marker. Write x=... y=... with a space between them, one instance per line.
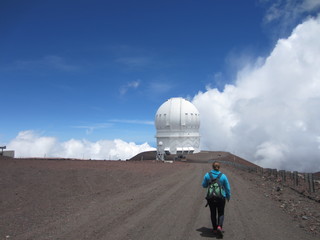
x=285 y=13
x=270 y=115
x=30 y=144
x=27 y=142
x=130 y=85
x=286 y=9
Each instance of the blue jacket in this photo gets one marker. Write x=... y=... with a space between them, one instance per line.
x=223 y=180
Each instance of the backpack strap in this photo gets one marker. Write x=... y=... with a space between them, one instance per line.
x=212 y=178
x=219 y=176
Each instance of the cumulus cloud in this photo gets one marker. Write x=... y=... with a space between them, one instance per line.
x=270 y=114
x=31 y=144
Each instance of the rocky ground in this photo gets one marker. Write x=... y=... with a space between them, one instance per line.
x=302 y=206
x=70 y=199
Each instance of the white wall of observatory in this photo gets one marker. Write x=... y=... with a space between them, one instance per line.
x=177 y=122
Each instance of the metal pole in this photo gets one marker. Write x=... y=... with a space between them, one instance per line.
x=3 y=147
x=295 y=178
x=311 y=183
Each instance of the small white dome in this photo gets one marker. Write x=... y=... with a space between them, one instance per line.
x=177 y=114
x=177 y=122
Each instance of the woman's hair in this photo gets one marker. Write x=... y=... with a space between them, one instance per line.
x=216 y=165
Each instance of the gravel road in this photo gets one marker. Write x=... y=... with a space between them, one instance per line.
x=102 y=200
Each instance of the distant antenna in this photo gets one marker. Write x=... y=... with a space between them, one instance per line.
x=3 y=147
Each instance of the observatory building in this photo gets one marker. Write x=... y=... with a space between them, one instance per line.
x=177 y=122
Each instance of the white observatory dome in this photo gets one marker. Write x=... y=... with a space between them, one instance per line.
x=177 y=122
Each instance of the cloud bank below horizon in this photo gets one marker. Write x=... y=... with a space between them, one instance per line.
x=270 y=115
x=30 y=144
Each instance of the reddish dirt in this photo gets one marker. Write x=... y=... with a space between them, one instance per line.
x=64 y=199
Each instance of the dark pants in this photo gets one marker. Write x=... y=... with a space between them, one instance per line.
x=217 y=207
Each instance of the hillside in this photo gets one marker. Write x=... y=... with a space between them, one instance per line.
x=201 y=157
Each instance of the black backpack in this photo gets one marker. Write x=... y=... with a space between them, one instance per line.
x=215 y=189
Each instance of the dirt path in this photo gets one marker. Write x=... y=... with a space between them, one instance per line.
x=150 y=206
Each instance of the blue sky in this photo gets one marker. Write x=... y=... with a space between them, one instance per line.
x=65 y=65
x=74 y=63
x=99 y=70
